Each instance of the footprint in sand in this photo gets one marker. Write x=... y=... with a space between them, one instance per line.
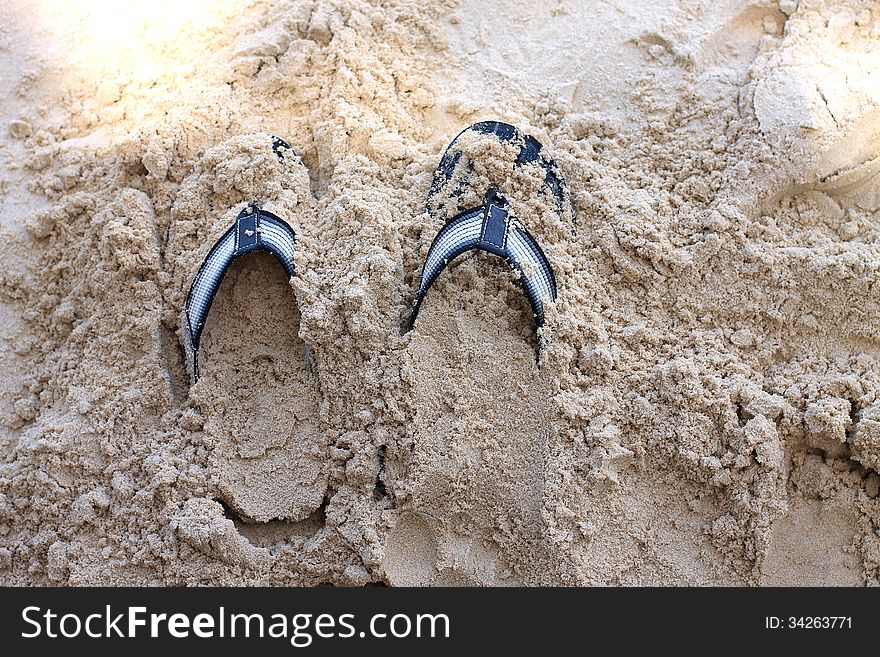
x=481 y=434
x=257 y=390
x=260 y=397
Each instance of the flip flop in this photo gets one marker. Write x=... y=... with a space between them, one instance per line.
x=255 y=386
x=492 y=227
x=254 y=229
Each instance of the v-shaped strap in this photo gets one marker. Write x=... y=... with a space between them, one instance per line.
x=491 y=228
x=255 y=229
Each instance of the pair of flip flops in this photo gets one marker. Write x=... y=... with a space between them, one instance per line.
x=490 y=226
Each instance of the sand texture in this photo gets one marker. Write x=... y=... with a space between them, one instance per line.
x=701 y=407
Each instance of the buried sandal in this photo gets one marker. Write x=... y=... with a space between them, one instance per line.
x=254 y=386
x=482 y=404
x=492 y=226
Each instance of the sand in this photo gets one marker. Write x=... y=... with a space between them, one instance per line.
x=701 y=407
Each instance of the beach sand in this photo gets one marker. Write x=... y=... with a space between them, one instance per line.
x=701 y=407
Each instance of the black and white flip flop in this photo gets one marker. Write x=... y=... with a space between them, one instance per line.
x=255 y=229
x=492 y=227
